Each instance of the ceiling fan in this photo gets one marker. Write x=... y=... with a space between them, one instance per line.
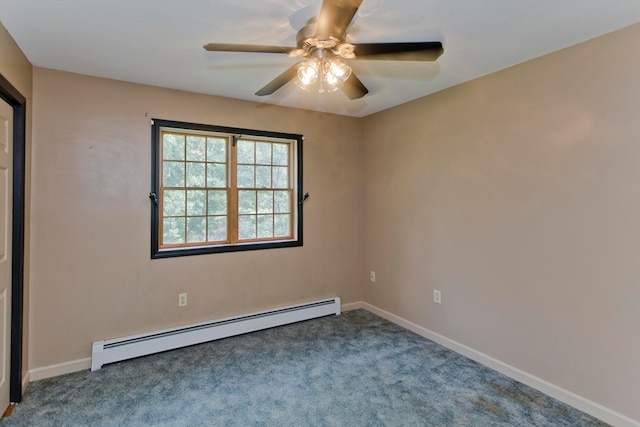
x=322 y=43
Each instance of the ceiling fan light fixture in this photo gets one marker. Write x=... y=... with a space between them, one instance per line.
x=327 y=74
x=308 y=73
x=336 y=72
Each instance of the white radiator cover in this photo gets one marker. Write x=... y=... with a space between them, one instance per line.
x=114 y=350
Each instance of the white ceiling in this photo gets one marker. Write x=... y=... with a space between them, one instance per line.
x=159 y=42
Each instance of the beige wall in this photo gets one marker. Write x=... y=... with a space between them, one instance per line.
x=91 y=269
x=517 y=195
x=15 y=67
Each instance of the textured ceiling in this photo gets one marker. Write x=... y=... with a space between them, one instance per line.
x=159 y=42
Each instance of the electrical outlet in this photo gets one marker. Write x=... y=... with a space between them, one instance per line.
x=437 y=296
x=372 y=276
x=182 y=300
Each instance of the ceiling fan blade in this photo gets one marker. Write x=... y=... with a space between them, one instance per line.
x=335 y=16
x=279 y=81
x=354 y=88
x=409 y=51
x=230 y=47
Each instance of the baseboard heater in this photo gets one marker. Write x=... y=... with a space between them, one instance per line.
x=115 y=350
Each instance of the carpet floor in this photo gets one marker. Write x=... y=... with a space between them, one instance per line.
x=355 y=369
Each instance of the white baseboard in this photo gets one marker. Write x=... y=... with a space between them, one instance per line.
x=585 y=405
x=59 y=369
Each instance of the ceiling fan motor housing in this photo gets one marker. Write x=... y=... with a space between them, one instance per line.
x=305 y=36
x=308 y=42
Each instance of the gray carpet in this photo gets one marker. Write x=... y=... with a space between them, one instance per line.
x=350 y=370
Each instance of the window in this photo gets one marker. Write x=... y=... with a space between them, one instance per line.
x=220 y=189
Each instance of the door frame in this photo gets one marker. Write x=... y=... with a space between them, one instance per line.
x=19 y=103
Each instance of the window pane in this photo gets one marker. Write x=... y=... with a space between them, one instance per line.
x=247 y=227
x=281 y=154
x=245 y=152
x=173 y=174
x=265 y=201
x=246 y=202
x=173 y=230
x=196 y=148
x=265 y=226
x=196 y=202
x=281 y=225
x=217 y=202
x=173 y=203
x=217 y=150
x=195 y=175
x=216 y=175
x=172 y=147
x=245 y=177
x=196 y=227
x=280 y=177
x=263 y=176
x=281 y=202
x=217 y=228
x=263 y=153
